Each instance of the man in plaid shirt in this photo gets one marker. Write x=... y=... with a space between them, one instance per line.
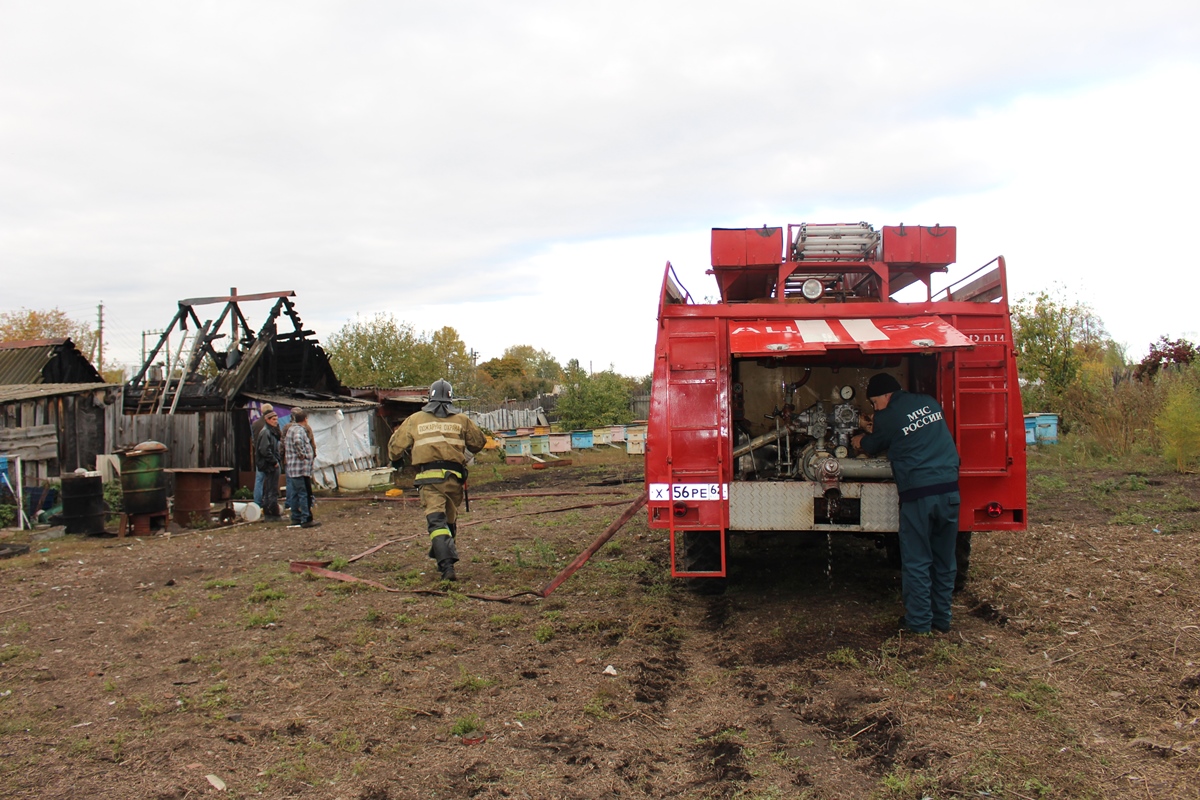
x=299 y=456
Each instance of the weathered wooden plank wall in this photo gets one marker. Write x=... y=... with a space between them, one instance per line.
x=203 y=439
x=79 y=425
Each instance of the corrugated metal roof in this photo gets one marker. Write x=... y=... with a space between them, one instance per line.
x=32 y=391
x=17 y=344
x=42 y=360
x=311 y=402
x=404 y=394
x=23 y=362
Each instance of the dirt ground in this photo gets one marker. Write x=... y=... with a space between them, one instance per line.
x=172 y=666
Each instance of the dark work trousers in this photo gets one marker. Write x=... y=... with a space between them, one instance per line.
x=928 y=532
x=268 y=495
x=441 y=501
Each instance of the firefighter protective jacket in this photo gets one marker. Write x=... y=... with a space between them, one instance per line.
x=918 y=443
x=436 y=441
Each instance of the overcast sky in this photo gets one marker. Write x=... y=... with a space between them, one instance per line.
x=523 y=171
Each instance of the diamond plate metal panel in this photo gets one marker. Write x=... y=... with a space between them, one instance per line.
x=880 y=507
x=788 y=506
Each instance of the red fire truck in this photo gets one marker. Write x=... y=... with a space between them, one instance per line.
x=756 y=396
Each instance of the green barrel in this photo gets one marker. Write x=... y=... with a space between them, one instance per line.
x=143 y=481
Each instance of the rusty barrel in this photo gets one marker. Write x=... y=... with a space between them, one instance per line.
x=83 y=503
x=143 y=482
x=193 y=493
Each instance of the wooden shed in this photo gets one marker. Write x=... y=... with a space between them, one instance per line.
x=57 y=428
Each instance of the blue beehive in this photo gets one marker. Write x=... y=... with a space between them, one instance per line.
x=1030 y=428
x=517 y=446
x=1047 y=429
x=581 y=440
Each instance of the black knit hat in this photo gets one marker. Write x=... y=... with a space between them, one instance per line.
x=880 y=384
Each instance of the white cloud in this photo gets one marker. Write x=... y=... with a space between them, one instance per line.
x=493 y=164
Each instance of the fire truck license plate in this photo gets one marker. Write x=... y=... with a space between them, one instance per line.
x=664 y=492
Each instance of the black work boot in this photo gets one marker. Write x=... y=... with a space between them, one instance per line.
x=447 y=568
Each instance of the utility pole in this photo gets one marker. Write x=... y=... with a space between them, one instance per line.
x=474 y=356
x=100 y=338
x=150 y=333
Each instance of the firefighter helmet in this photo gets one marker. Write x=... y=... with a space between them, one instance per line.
x=441 y=399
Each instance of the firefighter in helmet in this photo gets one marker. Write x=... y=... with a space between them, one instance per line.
x=440 y=437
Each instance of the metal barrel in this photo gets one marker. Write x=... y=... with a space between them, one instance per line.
x=193 y=493
x=83 y=504
x=143 y=481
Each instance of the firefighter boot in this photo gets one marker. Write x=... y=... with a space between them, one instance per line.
x=443 y=551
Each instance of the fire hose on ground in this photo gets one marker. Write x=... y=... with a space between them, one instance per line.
x=321 y=569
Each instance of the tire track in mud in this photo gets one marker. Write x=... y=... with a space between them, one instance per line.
x=778 y=664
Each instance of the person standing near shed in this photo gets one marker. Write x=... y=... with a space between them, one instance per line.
x=266 y=459
x=255 y=429
x=441 y=439
x=299 y=456
x=911 y=428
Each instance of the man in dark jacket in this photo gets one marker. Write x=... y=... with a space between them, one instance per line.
x=266 y=459
x=255 y=428
x=924 y=460
x=441 y=438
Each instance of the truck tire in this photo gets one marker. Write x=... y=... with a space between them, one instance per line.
x=962 y=555
x=702 y=553
x=891 y=549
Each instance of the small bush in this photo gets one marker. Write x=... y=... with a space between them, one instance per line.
x=465 y=725
x=1179 y=427
x=114 y=498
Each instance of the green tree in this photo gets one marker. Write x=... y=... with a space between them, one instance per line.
x=53 y=323
x=381 y=351
x=537 y=363
x=521 y=373
x=1054 y=337
x=1177 y=423
x=449 y=354
x=588 y=401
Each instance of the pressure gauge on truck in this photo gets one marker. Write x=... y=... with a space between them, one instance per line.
x=841 y=451
x=847 y=392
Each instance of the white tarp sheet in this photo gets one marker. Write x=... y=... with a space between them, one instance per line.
x=343 y=440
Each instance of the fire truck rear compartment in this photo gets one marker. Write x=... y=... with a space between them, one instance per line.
x=806 y=475
x=757 y=397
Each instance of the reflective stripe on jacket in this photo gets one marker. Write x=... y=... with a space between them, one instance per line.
x=434 y=439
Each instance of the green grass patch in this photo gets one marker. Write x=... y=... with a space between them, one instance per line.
x=263 y=593
x=464 y=725
x=845 y=656
x=261 y=619
x=471 y=683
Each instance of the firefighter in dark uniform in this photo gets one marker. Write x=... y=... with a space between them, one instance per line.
x=924 y=460
x=440 y=437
